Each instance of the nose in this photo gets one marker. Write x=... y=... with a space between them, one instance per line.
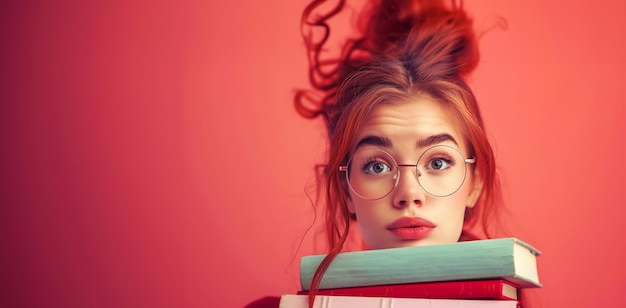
x=408 y=191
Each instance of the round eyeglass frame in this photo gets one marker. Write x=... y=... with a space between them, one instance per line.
x=344 y=168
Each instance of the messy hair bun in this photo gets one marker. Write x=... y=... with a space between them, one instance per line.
x=434 y=39
x=439 y=39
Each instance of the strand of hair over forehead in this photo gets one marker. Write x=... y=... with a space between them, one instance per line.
x=433 y=39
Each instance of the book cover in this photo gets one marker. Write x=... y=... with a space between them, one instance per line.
x=506 y=258
x=470 y=289
x=322 y=301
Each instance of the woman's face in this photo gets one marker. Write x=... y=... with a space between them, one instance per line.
x=408 y=216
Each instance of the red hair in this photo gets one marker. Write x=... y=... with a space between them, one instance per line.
x=407 y=49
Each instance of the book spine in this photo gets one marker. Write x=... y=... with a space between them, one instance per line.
x=477 y=289
x=301 y=301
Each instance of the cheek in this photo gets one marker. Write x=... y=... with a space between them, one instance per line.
x=462 y=198
x=370 y=212
x=372 y=219
x=451 y=210
x=457 y=207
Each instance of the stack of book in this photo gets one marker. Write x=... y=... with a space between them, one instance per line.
x=483 y=273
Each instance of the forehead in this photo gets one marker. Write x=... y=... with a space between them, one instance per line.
x=409 y=122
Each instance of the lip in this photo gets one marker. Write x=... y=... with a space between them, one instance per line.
x=411 y=228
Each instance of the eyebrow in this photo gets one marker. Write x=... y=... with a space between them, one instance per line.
x=436 y=139
x=422 y=143
x=374 y=140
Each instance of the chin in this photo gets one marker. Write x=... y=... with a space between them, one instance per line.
x=422 y=242
x=401 y=244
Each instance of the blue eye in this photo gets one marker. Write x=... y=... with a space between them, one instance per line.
x=440 y=164
x=376 y=167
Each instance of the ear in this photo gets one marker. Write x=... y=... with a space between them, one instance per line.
x=477 y=188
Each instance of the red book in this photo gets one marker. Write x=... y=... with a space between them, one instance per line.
x=466 y=289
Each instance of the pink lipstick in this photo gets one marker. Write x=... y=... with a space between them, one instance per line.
x=411 y=228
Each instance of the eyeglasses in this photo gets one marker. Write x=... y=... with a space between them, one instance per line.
x=373 y=173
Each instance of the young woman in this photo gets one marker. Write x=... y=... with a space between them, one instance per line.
x=408 y=155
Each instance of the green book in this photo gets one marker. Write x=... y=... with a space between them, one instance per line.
x=507 y=258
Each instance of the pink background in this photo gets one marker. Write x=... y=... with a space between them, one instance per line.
x=151 y=156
